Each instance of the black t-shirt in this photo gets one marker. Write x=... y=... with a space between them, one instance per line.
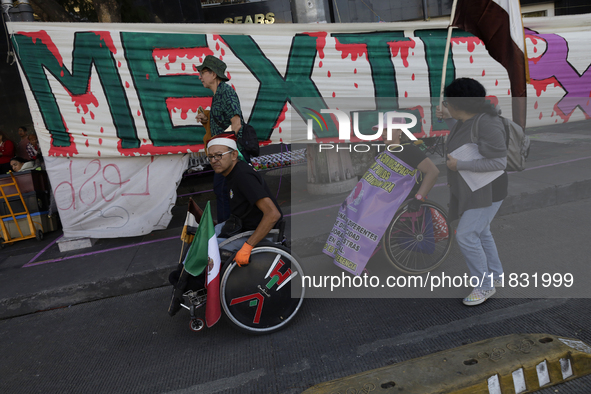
x=246 y=187
x=413 y=156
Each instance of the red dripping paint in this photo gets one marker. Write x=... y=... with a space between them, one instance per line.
x=91 y=115
x=62 y=73
x=320 y=42
x=83 y=120
x=78 y=109
x=535 y=49
x=147 y=76
x=405 y=94
x=223 y=52
x=102 y=130
x=403 y=48
x=540 y=115
x=98 y=153
x=183 y=66
x=46 y=40
x=144 y=140
x=328 y=74
x=497 y=82
x=471 y=59
x=229 y=76
x=280 y=130
x=355 y=71
x=221 y=57
x=107 y=39
x=217 y=46
x=355 y=84
x=139 y=113
x=86 y=143
x=536 y=105
x=126 y=84
x=355 y=50
x=84 y=135
x=100 y=141
x=483 y=73
x=509 y=92
x=118 y=64
x=334 y=94
x=413 y=77
x=194 y=68
x=320 y=64
x=167 y=65
x=281 y=117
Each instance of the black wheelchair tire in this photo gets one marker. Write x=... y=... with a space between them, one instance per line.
x=238 y=314
x=407 y=260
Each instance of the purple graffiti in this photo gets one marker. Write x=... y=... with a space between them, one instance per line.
x=553 y=67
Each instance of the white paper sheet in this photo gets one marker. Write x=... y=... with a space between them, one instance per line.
x=475 y=180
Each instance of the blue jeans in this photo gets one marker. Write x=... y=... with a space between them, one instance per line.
x=222 y=194
x=478 y=246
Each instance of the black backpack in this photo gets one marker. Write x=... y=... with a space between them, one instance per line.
x=248 y=139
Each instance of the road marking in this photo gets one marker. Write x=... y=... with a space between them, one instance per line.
x=460 y=325
x=222 y=385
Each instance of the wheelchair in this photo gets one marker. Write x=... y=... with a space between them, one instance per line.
x=260 y=298
x=418 y=242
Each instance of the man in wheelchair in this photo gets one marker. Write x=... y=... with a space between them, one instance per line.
x=252 y=207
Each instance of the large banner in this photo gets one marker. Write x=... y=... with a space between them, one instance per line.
x=115 y=197
x=367 y=211
x=130 y=90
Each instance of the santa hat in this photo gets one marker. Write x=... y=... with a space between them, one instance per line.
x=225 y=139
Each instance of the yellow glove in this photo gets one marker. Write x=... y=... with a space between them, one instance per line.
x=243 y=255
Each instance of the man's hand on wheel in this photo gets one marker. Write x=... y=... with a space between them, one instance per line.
x=243 y=256
x=414 y=205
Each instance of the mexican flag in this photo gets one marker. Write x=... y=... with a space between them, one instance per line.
x=204 y=254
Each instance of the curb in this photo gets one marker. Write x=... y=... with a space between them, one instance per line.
x=84 y=292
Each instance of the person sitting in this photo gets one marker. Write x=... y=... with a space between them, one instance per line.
x=19 y=164
x=252 y=207
x=6 y=152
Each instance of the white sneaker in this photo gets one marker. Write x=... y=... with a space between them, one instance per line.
x=478 y=296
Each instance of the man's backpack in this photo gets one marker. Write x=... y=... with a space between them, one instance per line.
x=518 y=143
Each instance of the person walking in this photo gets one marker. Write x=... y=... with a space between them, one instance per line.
x=225 y=113
x=466 y=103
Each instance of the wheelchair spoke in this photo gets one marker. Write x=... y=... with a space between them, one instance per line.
x=277 y=258
x=286 y=281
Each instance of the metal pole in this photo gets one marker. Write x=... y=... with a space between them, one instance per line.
x=445 y=55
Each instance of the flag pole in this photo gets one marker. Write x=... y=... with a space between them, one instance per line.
x=445 y=55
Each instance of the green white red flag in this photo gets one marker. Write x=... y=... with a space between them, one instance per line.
x=204 y=254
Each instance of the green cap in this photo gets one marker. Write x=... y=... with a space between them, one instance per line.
x=215 y=65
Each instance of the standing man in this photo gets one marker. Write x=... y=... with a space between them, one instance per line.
x=225 y=113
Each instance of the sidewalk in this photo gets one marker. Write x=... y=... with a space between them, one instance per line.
x=35 y=276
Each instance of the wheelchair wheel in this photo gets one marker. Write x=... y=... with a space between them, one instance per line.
x=418 y=242
x=264 y=296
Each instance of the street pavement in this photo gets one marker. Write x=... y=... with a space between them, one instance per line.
x=129 y=344
x=36 y=277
